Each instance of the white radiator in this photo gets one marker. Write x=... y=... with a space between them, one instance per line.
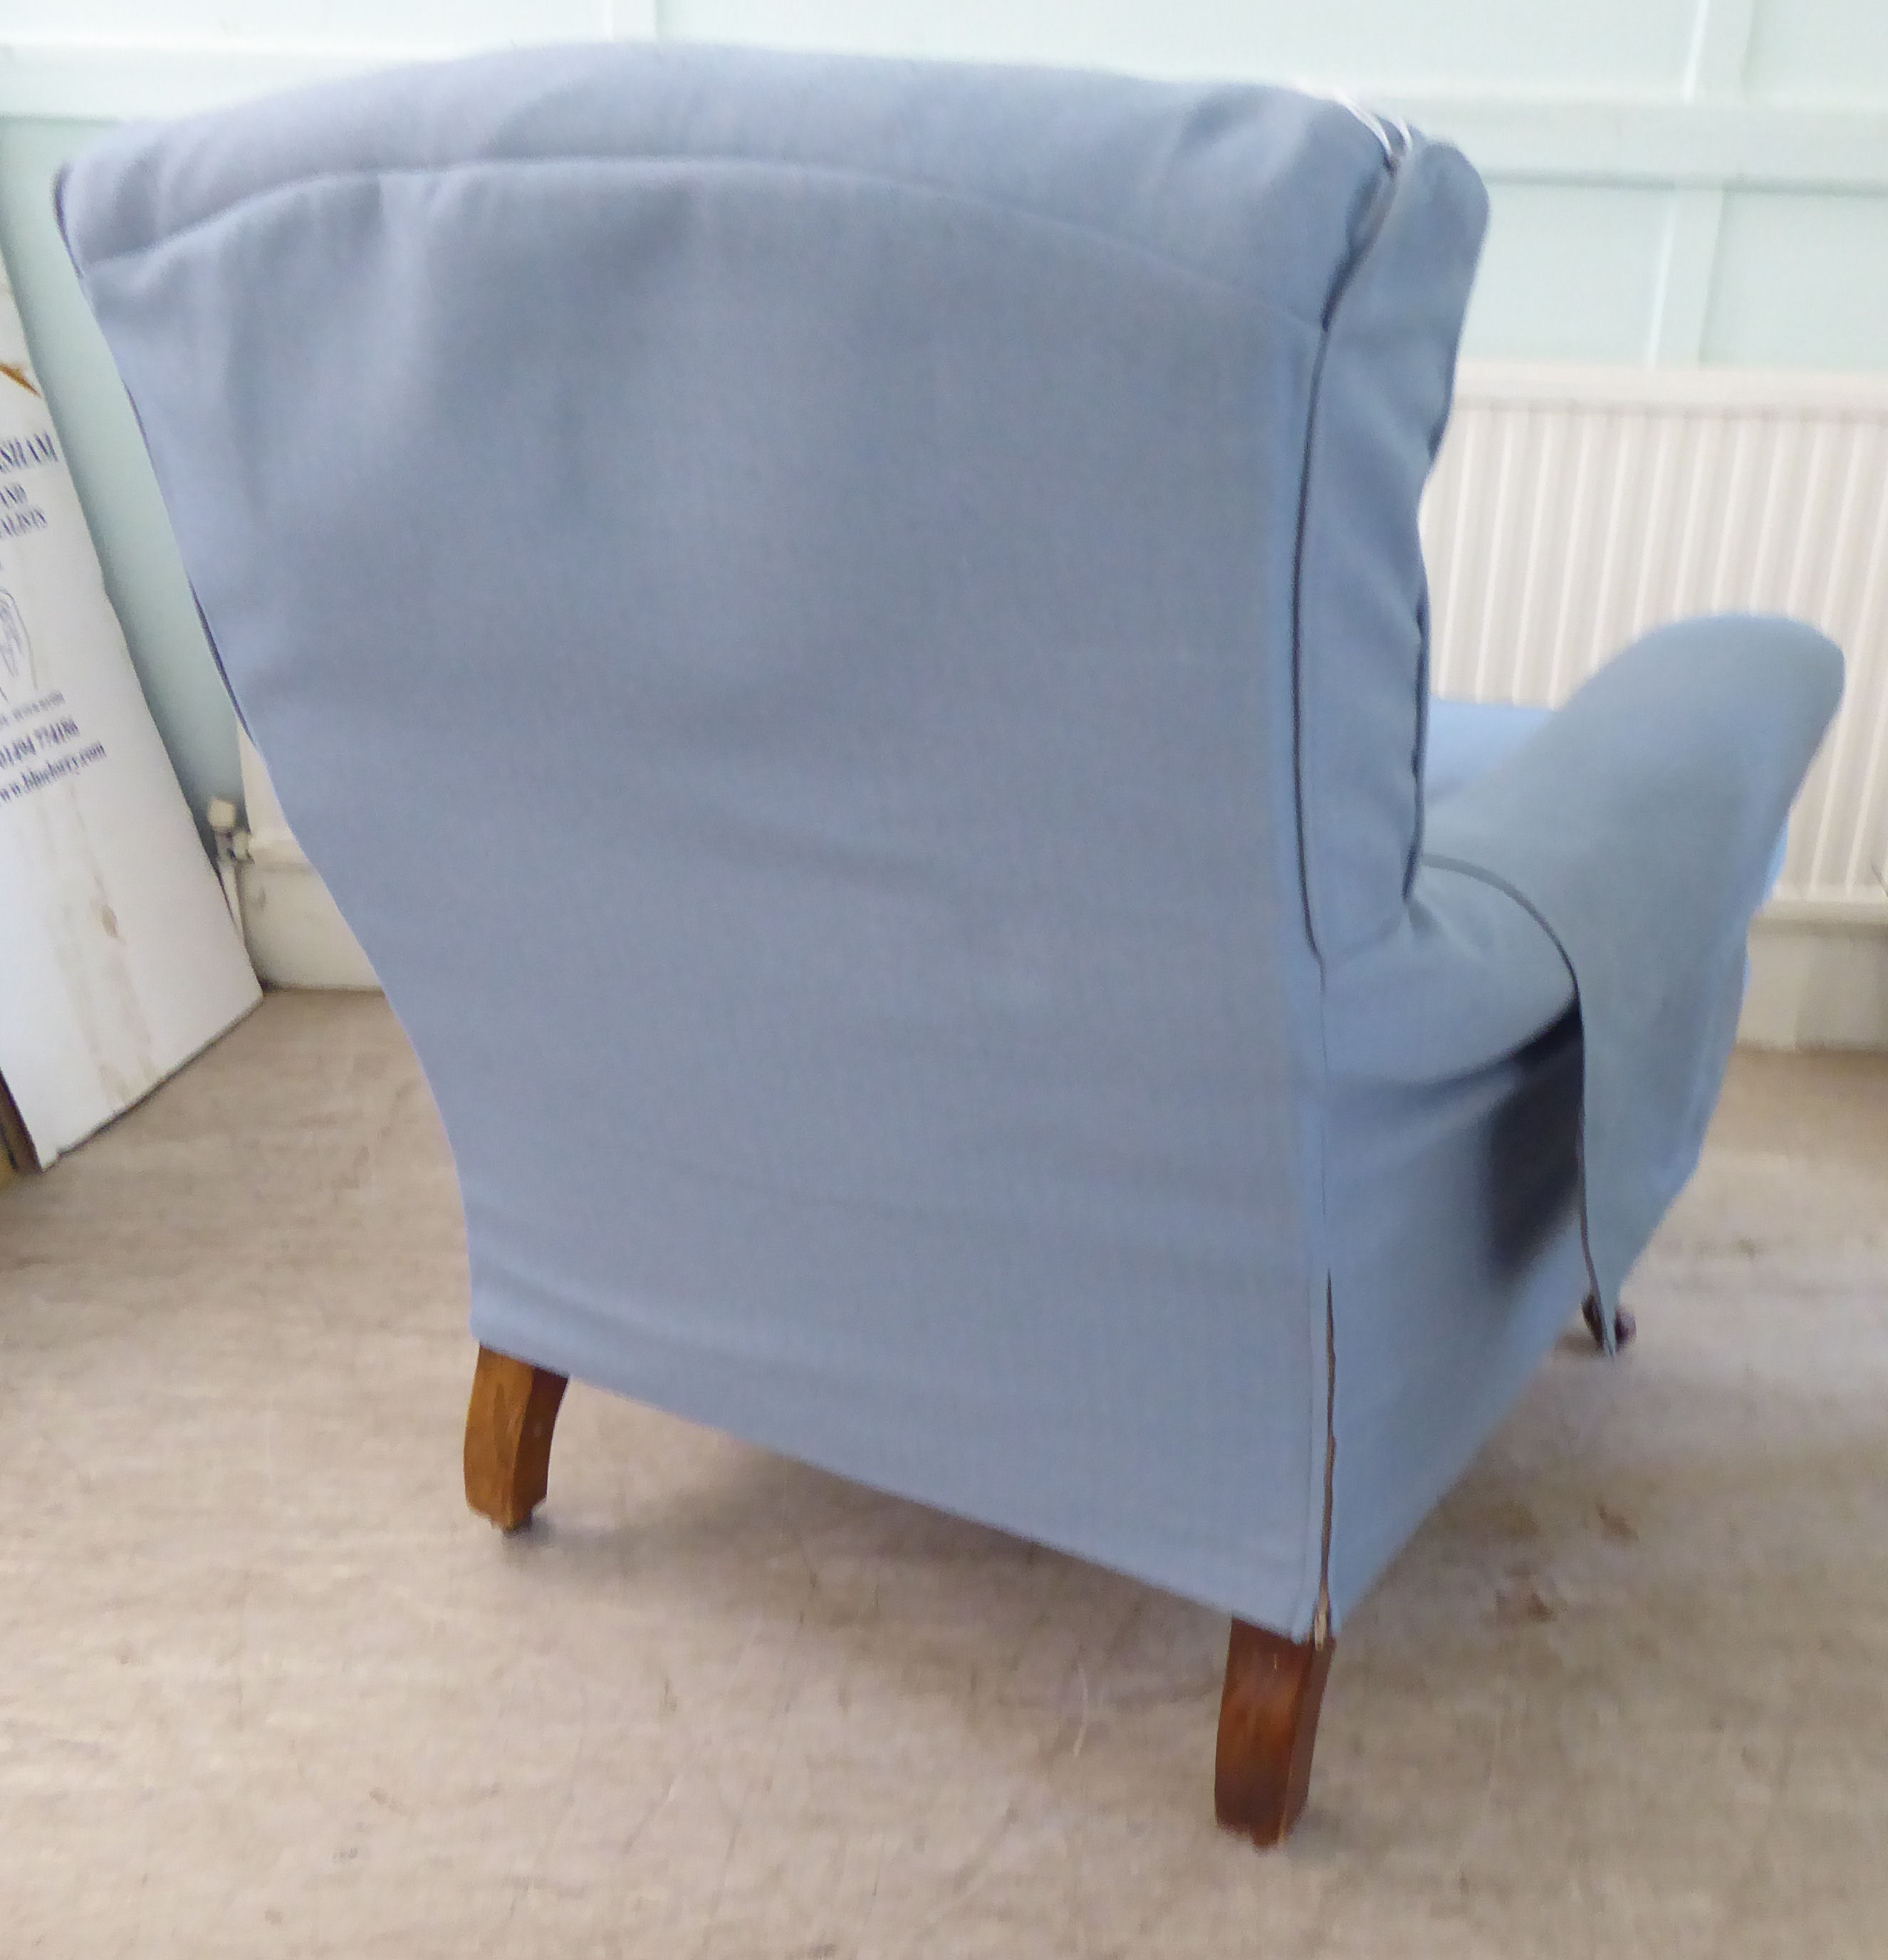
x=1572 y=508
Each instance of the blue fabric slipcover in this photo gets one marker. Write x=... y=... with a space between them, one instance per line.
x=852 y=639
x=1467 y=738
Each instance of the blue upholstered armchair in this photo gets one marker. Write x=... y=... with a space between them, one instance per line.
x=851 y=638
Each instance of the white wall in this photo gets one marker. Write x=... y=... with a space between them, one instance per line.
x=1673 y=181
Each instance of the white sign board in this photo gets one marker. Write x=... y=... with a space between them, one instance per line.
x=118 y=958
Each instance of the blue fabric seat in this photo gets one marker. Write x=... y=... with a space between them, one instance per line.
x=850 y=638
x=1467 y=739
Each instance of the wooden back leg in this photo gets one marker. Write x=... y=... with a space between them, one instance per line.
x=1275 y=1688
x=1268 y=1727
x=508 y=1426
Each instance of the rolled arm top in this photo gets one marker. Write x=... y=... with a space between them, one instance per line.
x=1639 y=825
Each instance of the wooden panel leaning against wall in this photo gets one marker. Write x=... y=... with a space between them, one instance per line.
x=16 y=1152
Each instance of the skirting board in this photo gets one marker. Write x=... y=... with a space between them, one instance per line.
x=1817 y=983
x=296 y=935
x=295 y=931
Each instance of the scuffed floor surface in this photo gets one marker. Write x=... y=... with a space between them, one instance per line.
x=266 y=1687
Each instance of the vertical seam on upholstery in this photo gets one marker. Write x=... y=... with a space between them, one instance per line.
x=1321 y=1617
x=1298 y=693
x=1385 y=196
x=1609 y=1310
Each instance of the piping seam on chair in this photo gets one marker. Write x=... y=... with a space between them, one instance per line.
x=1119 y=242
x=1378 y=214
x=1321 y=1614
x=1385 y=197
x=1464 y=868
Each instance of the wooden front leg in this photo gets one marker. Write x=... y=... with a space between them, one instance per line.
x=1268 y=1727
x=508 y=1426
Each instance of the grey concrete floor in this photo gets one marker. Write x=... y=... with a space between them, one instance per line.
x=266 y=1687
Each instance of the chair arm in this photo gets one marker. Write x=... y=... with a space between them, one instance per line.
x=1638 y=826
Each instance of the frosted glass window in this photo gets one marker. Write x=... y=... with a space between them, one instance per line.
x=1630 y=42
x=1567 y=274
x=1802 y=281
x=327 y=24
x=1835 y=50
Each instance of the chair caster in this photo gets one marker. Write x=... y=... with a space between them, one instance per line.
x=1589 y=1313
